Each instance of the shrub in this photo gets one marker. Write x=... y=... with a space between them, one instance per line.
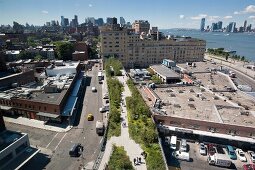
x=119 y=159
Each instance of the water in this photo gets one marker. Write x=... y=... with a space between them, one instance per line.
x=243 y=43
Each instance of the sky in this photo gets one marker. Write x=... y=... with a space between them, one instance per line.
x=162 y=13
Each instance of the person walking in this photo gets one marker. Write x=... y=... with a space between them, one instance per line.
x=134 y=161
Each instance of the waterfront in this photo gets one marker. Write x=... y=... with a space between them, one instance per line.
x=243 y=43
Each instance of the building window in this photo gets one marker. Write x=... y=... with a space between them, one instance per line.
x=44 y=108
x=39 y=107
x=6 y=159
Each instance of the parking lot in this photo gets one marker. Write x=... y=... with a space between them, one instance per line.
x=197 y=161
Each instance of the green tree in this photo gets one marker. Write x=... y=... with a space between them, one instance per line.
x=64 y=50
x=242 y=58
x=25 y=55
x=156 y=79
x=38 y=57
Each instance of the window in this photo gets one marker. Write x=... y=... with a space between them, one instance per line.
x=44 y=108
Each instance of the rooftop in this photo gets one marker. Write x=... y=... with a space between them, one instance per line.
x=164 y=71
x=195 y=103
x=8 y=137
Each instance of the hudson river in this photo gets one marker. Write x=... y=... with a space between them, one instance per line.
x=243 y=43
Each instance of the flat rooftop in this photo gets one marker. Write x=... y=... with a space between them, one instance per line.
x=8 y=137
x=205 y=66
x=194 y=103
x=216 y=80
x=165 y=71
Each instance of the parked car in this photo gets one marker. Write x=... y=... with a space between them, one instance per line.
x=181 y=155
x=106 y=96
x=183 y=146
x=211 y=149
x=249 y=166
x=231 y=152
x=252 y=155
x=202 y=149
x=240 y=154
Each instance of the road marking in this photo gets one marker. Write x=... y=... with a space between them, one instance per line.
x=60 y=141
x=51 y=140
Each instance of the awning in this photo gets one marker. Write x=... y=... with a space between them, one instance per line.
x=5 y=108
x=47 y=115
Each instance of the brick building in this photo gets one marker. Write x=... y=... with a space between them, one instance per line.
x=81 y=51
x=51 y=98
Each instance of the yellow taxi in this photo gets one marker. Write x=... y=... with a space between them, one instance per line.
x=90 y=117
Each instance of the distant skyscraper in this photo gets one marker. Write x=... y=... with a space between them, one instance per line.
x=219 y=25
x=66 y=22
x=245 y=25
x=122 y=21
x=90 y=20
x=114 y=20
x=202 y=26
x=99 y=22
x=108 y=20
x=62 y=21
x=231 y=27
x=214 y=27
x=76 y=21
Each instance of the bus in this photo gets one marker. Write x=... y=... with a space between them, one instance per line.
x=100 y=76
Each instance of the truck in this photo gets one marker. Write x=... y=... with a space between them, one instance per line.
x=100 y=128
x=181 y=155
x=219 y=160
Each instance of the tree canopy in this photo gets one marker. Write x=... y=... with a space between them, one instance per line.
x=64 y=50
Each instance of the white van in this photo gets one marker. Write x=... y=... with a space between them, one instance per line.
x=173 y=142
x=183 y=146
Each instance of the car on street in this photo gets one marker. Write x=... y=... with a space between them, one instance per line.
x=102 y=109
x=76 y=150
x=249 y=166
x=90 y=117
x=240 y=154
x=106 y=96
x=202 y=149
x=94 y=89
x=252 y=155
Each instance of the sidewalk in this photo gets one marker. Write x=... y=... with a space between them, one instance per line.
x=133 y=149
x=36 y=124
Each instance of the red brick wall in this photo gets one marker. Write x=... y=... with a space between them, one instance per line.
x=80 y=56
x=80 y=46
x=204 y=125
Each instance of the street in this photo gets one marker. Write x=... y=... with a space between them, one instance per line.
x=55 y=146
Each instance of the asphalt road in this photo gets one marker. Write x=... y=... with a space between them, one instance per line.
x=55 y=146
x=245 y=80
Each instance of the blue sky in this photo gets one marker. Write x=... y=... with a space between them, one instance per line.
x=161 y=13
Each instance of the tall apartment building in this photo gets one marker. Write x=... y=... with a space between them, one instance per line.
x=202 y=25
x=135 y=50
x=141 y=26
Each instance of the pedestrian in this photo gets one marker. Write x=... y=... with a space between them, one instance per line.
x=140 y=160
x=137 y=160
x=134 y=161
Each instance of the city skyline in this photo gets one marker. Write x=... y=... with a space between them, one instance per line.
x=178 y=17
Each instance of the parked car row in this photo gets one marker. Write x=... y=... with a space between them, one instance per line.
x=218 y=155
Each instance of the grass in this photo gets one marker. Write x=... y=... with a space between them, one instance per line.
x=115 y=88
x=143 y=130
x=119 y=160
